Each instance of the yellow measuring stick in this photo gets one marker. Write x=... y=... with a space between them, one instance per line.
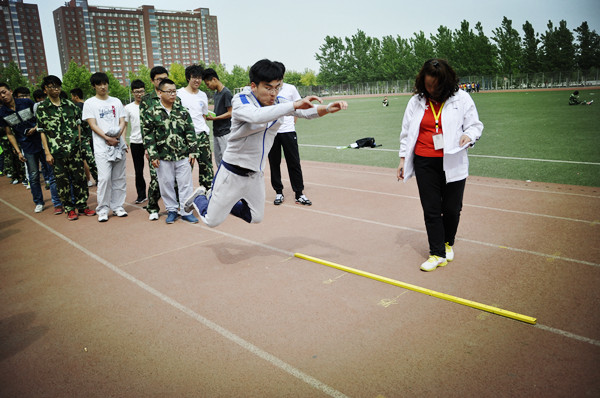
x=418 y=289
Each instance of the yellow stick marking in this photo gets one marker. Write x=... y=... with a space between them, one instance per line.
x=418 y=289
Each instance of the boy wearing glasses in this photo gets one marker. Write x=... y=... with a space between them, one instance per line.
x=196 y=101
x=106 y=117
x=59 y=121
x=132 y=116
x=170 y=140
x=157 y=75
x=239 y=186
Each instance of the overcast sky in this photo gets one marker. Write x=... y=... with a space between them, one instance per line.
x=293 y=31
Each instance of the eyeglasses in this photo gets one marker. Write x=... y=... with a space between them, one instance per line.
x=170 y=92
x=196 y=78
x=140 y=91
x=272 y=90
x=53 y=87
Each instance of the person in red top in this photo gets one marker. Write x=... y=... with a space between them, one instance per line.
x=440 y=123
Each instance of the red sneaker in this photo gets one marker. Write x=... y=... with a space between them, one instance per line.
x=58 y=210
x=86 y=212
x=72 y=215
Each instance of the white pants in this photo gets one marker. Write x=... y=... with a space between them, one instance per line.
x=219 y=146
x=229 y=188
x=170 y=171
x=112 y=184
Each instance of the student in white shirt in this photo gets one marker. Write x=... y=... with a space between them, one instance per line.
x=196 y=102
x=136 y=144
x=105 y=115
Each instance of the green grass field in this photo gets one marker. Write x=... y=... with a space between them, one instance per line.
x=554 y=142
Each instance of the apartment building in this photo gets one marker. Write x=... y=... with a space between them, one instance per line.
x=21 y=38
x=120 y=39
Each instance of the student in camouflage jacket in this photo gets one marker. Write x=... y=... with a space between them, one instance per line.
x=59 y=120
x=157 y=74
x=170 y=140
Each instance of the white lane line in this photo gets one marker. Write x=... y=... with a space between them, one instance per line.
x=273 y=360
x=568 y=334
x=392 y=175
x=470 y=155
x=477 y=242
x=465 y=204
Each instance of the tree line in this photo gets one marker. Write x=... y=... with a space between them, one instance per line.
x=362 y=58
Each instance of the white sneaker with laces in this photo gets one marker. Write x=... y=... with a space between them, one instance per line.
x=153 y=216
x=433 y=262
x=449 y=252
x=39 y=208
x=120 y=212
x=102 y=217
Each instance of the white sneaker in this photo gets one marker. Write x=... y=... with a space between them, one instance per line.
x=102 y=217
x=39 y=208
x=188 y=206
x=449 y=252
x=153 y=216
x=433 y=262
x=120 y=212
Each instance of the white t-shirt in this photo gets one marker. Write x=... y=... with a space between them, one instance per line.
x=289 y=92
x=132 y=116
x=107 y=114
x=197 y=104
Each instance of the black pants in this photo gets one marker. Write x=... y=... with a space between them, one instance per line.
x=441 y=203
x=289 y=143
x=137 y=154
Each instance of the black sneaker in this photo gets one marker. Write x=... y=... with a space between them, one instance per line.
x=303 y=200
x=278 y=199
x=142 y=200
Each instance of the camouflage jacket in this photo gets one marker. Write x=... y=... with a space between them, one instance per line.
x=168 y=136
x=59 y=124
x=86 y=130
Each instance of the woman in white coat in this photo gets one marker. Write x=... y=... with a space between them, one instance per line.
x=440 y=123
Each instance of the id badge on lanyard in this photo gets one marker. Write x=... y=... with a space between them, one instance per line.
x=438 y=138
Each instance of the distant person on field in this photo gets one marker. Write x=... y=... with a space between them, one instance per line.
x=574 y=99
x=222 y=110
x=439 y=124
x=287 y=140
x=386 y=102
x=239 y=186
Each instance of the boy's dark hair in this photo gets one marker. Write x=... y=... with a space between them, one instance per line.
x=3 y=84
x=209 y=73
x=98 y=78
x=77 y=92
x=51 y=80
x=21 y=90
x=193 y=71
x=281 y=65
x=158 y=70
x=164 y=82
x=265 y=71
x=446 y=79
x=39 y=94
x=137 y=83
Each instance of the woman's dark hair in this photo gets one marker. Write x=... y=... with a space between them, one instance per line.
x=265 y=71
x=445 y=75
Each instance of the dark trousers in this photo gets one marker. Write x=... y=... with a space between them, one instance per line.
x=289 y=143
x=441 y=203
x=137 y=154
